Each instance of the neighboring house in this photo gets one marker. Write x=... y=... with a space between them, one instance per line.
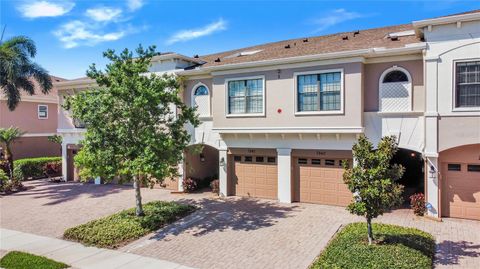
x=36 y=115
x=277 y=119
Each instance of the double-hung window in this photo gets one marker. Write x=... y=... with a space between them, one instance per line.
x=467 y=88
x=42 y=112
x=246 y=96
x=319 y=92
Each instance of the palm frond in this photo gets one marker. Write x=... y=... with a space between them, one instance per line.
x=22 y=42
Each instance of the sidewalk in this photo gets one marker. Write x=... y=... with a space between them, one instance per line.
x=77 y=255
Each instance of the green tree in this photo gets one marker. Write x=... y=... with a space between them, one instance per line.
x=135 y=122
x=372 y=179
x=7 y=137
x=17 y=70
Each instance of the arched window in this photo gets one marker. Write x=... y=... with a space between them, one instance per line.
x=201 y=90
x=395 y=90
x=201 y=100
x=395 y=76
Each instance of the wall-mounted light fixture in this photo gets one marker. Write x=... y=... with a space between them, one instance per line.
x=202 y=157
x=432 y=171
x=222 y=162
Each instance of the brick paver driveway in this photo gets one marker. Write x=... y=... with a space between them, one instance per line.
x=224 y=233
x=50 y=208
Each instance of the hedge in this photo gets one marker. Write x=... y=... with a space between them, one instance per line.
x=34 y=167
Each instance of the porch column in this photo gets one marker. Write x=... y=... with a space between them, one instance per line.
x=222 y=172
x=64 y=161
x=432 y=187
x=284 y=163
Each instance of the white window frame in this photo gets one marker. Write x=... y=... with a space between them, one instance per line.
x=454 y=87
x=227 y=103
x=192 y=98
x=38 y=112
x=410 y=90
x=318 y=72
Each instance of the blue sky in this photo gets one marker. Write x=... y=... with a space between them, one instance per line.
x=70 y=35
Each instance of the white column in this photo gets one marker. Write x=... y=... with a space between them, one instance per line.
x=64 y=161
x=431 y=135
x=181 y=172
x=222 y=172
x=433 y=201
x=284 y=163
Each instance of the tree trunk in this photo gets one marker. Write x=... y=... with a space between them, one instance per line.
x=138 y=197
x=9 y=158
x=370 y=233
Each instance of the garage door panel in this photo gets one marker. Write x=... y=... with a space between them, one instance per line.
x=255 y=179
x=321 y=184
x=460 y=192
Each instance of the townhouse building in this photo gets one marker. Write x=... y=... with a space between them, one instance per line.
x=36 y=115
x=277 y=119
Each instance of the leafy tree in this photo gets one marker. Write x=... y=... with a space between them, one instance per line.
x=372 y=179
x=17 y=70
x=7 y=137
x=132 y=130
x=57 y=139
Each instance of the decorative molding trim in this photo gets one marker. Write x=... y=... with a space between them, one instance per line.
x=284 y=130
x=38 y=134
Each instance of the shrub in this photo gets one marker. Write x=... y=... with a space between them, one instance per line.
x=190 y=184
x=215 y=186
x=33 y=167
x=53 y=169
x=123 y=227
x=18 y=259
x=417 y=202
x=398 y=247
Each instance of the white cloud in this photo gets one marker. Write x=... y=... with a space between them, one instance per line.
x=186 y=35
x=335 y=17
x=103 y=13
x=134 y=4
x=38 y=9
x=78 y=33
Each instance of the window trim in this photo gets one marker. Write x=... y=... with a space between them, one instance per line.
x=192 y=99
x=243 y=115
x=410 y=90
x=318 y=72
x=38 y=112
x=454 y=87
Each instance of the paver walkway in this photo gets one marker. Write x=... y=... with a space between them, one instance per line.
x=77 y=255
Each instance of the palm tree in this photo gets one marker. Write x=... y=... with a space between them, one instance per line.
x=17 y=69
x=7 y=137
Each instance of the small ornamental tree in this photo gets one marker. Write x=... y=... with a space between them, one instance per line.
x=135 y=122
x=372 y=179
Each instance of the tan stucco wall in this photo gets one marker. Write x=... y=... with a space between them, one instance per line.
x=374 y=71
x=190 y=84
x=458 y=131
x=280 y=94
x=465 y=154
x=195 y=168
x=25 y=117
x=30 y=147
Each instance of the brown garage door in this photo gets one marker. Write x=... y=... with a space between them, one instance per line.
x=254 y=176
x=461 y=190
x=321 y=181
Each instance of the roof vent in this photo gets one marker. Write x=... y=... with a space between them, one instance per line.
x=287 y=46
x=356 y=33
x=305 y=40
x=217 y=60
x=345 y=37
x=394 y=38
x=195 y=56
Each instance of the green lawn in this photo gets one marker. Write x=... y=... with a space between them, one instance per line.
x=22 y=260
x=123 y=227
x=396 y=247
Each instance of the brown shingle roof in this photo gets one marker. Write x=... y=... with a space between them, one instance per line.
x=371 y=38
